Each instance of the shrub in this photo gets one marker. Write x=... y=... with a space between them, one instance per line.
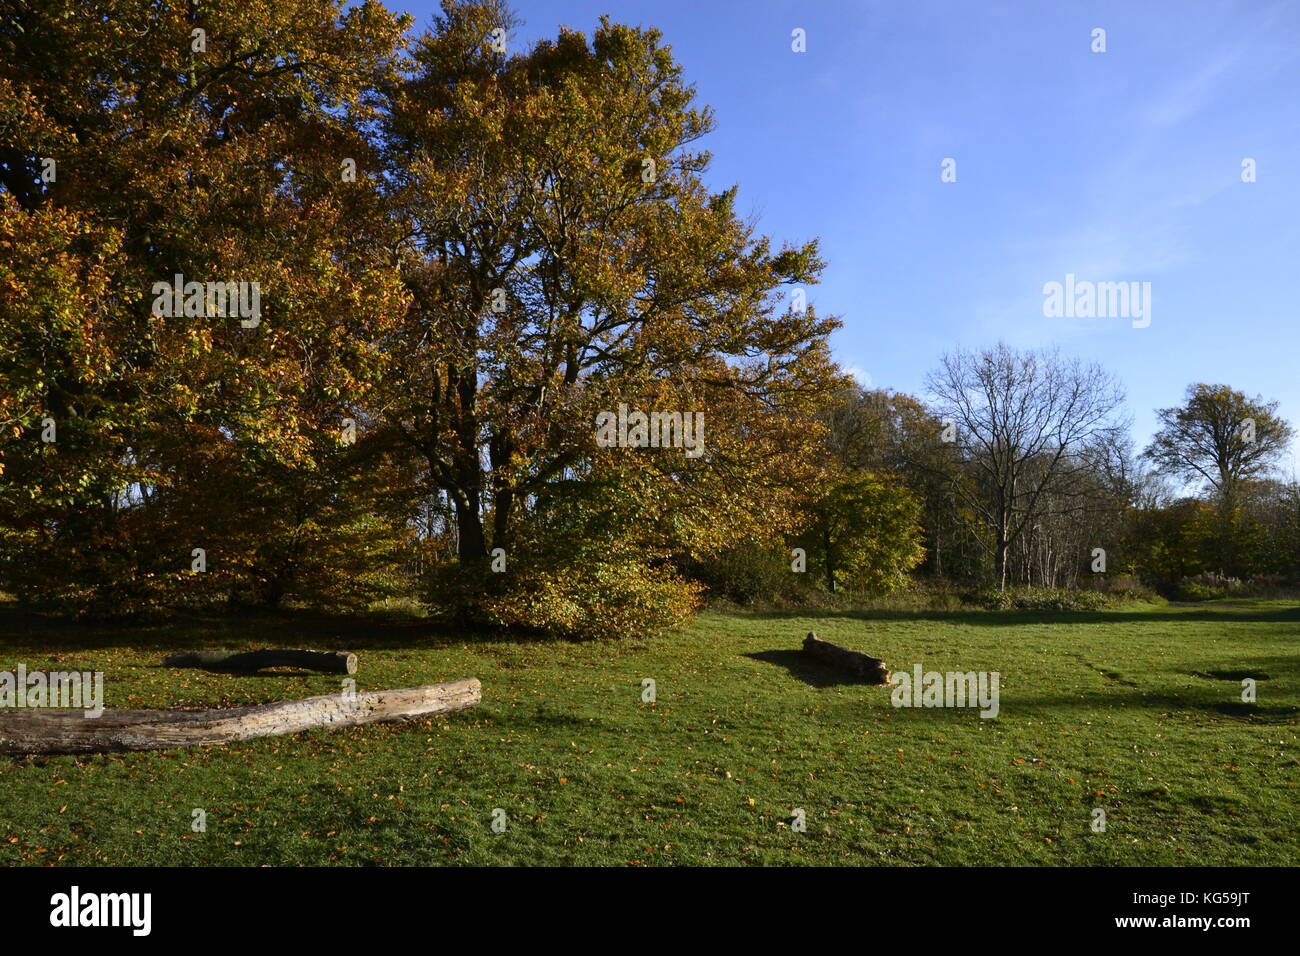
x=1210 y=586
x=1038 y=599
x=1122 y=588
x=750 y=574
x=596 y=600
x=601 y=594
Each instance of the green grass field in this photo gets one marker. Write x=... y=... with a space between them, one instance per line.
x=1136 y=711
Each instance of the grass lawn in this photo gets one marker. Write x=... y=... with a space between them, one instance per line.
x=1136 y=711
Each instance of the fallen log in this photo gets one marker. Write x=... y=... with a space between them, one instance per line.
x=248 y=662
x=864 y=666
x=71 y=732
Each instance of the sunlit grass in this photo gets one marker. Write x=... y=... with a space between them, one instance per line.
x=1120 y=710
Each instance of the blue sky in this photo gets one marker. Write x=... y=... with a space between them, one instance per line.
x=1117 y=166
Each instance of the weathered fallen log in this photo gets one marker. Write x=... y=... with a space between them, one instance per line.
x=868 y=668
x=71 y=732
x=247 y=662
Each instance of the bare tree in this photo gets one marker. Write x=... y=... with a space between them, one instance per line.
x=1026 y=424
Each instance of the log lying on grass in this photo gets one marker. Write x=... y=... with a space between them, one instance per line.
x=70 y=732
x=248 y=662
x=868 y=668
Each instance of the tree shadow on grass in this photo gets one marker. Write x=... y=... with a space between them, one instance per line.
x=811 y=672
x=1013 y=708
x=278 y=628
x=1018 y=618
x=1272 y=671
x=1256 y=673
x=264 y=672
x=1190 y=704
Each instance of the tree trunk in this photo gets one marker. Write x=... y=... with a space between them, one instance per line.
x=247 y=662
x=271 y=592
x=503 y=496
x=470 y=542
x=830 y=563
x=1004 y=546
x=938 y=551
x=71 y=732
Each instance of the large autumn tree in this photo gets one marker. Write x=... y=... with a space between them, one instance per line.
x=140 y=140
x=563 y=255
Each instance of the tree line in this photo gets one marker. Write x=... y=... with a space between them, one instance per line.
x=1026 y=475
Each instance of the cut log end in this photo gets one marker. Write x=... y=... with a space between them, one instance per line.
x=870 y=669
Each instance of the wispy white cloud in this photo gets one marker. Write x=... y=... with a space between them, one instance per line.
x=1183 y=97
x=860 y=375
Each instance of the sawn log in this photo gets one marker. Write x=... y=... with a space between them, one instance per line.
x=71 y=732
x=868 y=668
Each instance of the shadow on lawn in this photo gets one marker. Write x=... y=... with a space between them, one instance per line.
x=282 y=627
x=810 y=672
x=1213 y=694
x=1016 y=618
x=1170 y=704
x=382 y=631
